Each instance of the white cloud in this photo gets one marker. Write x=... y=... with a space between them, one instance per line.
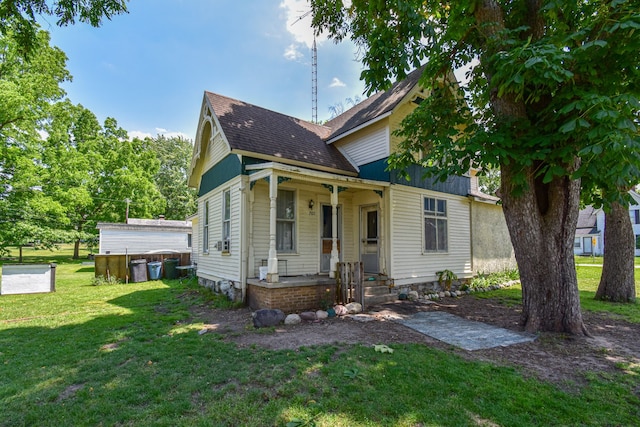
x=292 y=53
x=298 y=27
x=139 y=134
x=159 y=131
x=336 y=82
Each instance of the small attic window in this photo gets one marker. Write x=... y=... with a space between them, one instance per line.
x=417 y=100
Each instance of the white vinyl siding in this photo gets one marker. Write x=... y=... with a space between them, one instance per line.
x=408 y=260
x=216 y=151
x=218 y=264
x=141 y=241
x=367 y=148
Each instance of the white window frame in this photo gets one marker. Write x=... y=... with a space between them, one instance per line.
x=288 y=219
x=435 y=209
x=205 y=229
x=226 y=221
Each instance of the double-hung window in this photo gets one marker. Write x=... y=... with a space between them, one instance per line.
x=205 y=229
x=286 y=221
x=435 y=225
x=226 y=220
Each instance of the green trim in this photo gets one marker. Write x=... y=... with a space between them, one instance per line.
x=221 y=172
x=377 y=171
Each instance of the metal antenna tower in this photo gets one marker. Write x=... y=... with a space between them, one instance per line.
x=314 y=72
x=314 y=81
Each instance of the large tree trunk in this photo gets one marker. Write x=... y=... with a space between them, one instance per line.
x=542 y=223
x=618 y=282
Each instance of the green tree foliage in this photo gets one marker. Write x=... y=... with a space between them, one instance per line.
x=18 y=17
x=95 y=169
x=27 y=90
x=552 y=98
x=61 y=171
x=174 y=156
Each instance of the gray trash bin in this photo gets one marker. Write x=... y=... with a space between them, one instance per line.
x=155 y=270
x=138 y=270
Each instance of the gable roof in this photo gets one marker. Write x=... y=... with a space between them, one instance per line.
x=375 y=106
x=587 y=221
x=254 y=130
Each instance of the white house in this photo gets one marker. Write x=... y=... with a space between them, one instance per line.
x=145 y=235
x=296 y=198
x=589 y=238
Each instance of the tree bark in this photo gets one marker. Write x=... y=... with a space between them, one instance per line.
x=76 y=249
x=617 y=282
x=542 y=223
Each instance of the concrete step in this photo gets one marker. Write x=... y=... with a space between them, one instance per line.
x=376 y=290
x=379 y=299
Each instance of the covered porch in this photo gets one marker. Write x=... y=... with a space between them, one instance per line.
x=302 y=222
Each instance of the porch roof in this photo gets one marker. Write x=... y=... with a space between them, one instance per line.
x=263 y=170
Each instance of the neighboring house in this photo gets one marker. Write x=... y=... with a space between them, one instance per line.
x=139 y=236
x=589 y=238
x=296 y=198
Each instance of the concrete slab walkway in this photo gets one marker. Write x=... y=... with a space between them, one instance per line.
x=462 y=333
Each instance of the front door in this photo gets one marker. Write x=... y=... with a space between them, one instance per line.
x=587 y=247
x=327 y=237
x=369 y=238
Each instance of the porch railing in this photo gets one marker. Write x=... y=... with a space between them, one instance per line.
x=349 y=283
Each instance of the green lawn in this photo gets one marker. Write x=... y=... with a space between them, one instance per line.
x=132 y=355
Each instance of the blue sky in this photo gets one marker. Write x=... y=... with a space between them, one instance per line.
x=149 y=68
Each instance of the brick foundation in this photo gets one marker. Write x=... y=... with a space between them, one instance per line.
x=290 y=298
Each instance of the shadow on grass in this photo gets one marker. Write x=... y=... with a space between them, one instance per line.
x=146 y=363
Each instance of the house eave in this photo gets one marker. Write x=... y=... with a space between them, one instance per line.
x=264 y=170
x=294 y=163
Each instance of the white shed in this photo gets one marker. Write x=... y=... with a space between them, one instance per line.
x=144 y=235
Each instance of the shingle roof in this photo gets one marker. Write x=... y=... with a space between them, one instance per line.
x=255 y=129
x=587 y=221
x=374 y=106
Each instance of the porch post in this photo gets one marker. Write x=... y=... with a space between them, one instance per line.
x=272 y=269
x=251 y=262
x=335 y=255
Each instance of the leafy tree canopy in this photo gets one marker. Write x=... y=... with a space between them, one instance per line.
x=19 y=16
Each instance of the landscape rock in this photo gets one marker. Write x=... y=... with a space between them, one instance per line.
x=292 y=319
x=413 y=296
x=309 y=316
x=266 y=317
x=340 y=310
x=354 y=307
x=321 y=314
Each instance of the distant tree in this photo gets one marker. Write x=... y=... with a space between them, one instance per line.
x=339 y=107
x=174 y=156
x=27 y=89
x=95 y=169
x=19 y=17
x=489 y=180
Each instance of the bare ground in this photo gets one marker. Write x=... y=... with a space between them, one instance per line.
x=557 y=358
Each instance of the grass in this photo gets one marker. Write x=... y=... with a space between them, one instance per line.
x=132 y=355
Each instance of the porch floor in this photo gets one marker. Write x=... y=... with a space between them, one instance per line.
x=288 y=281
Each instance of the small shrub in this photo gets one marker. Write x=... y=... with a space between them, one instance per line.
x=102 y=280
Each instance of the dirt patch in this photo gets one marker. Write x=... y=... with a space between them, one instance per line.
x=557 y=358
